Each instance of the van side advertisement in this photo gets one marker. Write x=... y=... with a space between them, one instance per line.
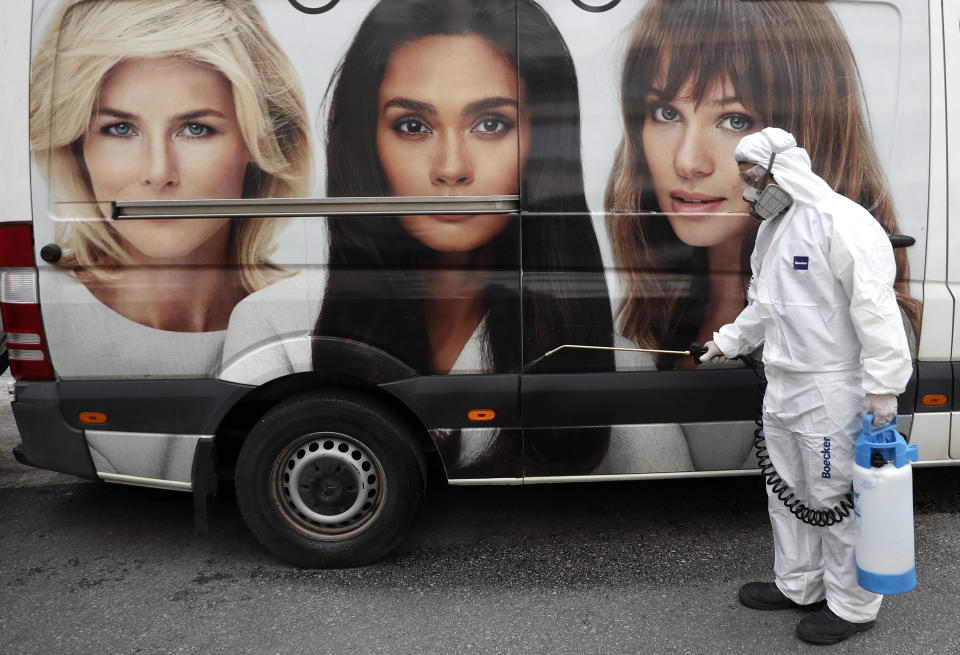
x=614 y=122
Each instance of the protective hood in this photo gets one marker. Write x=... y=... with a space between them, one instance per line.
x=791 y=168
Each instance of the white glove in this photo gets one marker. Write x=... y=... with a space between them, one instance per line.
x=883 y=407
x=713 y=355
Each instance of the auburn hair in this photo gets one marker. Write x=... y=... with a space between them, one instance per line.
x=788 y=61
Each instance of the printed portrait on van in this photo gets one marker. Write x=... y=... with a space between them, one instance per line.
x=432 y=99
x=130 y=101
x=697 y=77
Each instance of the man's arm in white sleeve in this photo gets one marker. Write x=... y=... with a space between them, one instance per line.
x=745 y=334
x=862 y=259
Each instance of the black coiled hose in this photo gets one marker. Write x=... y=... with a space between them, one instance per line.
x=817 y=517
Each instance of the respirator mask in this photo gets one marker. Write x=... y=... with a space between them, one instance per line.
x=765 y=202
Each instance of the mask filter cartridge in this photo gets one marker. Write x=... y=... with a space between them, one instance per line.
x=766 y=200
x=769 y=203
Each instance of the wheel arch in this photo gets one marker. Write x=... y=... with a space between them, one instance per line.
x=248 y=410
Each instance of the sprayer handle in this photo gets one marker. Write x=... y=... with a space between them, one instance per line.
x=696 y=351
x=868 y=424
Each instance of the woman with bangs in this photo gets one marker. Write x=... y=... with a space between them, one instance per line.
x=131 y=101
x=700 y=75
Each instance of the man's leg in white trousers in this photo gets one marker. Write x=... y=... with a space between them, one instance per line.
x=798 y=563
x=830 y=453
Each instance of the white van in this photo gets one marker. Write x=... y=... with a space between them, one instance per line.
x=309 y=244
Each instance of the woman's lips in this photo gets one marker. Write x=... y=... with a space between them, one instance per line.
x=451 y=218
x=682 y=202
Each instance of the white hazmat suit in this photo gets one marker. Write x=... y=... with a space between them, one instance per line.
x=821 y=302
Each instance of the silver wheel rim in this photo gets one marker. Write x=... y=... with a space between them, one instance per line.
x=328 y=485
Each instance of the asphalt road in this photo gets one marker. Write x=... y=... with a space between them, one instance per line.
x=645 y=567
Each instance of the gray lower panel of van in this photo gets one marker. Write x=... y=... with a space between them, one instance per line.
x=144 y=458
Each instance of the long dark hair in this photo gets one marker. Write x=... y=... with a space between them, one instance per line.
x=375 y=263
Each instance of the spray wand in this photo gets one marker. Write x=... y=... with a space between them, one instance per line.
x=696 y=351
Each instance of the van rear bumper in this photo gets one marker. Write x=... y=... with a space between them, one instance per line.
x=48 y=441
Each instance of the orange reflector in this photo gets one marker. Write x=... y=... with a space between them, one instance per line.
x=481 y=415
x=933 y=400
x=92 y=417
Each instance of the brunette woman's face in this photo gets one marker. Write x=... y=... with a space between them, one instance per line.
x=689 y=149
x=450 y=124
x=166 y=129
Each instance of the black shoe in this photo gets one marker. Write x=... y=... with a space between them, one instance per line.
x=767 y=596
x=825 y=627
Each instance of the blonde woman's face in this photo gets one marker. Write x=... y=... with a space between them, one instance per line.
x=689 y=149
x=166 y=129
x=449 y=124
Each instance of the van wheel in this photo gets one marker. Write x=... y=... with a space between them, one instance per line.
x=330 y=479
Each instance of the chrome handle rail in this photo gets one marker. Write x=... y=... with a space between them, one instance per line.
x=279 y=207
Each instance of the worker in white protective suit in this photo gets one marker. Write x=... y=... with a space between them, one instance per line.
x=822 y=304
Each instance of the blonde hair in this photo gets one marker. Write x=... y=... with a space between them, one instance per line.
x=790 y=62
x=87 y=39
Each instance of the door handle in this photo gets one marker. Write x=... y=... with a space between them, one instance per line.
x=901 y=240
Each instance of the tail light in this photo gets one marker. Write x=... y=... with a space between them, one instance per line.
x=20 y=306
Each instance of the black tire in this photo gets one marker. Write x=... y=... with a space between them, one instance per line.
x=330 y=479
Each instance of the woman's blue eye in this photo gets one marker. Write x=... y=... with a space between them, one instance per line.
x=119 y=129
x=411 y=126
x=737 y=122
x=196 y=129
x=493 y=126
x=665 y=114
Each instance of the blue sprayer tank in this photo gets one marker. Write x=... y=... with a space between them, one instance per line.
x=883 y=499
